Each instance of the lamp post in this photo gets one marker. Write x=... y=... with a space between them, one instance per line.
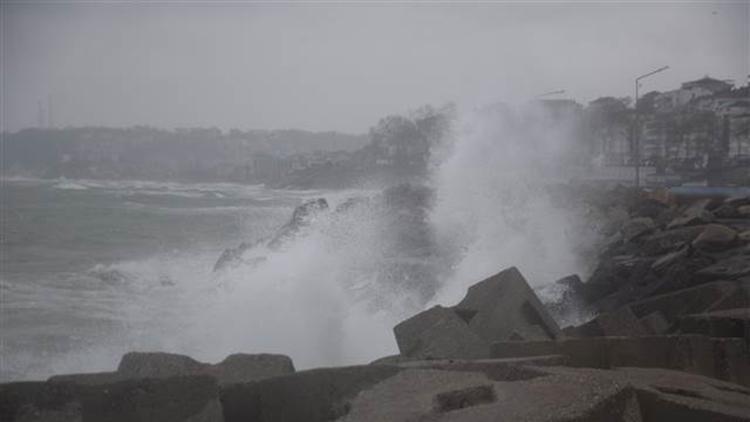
x=636 y=130
x=562 y=91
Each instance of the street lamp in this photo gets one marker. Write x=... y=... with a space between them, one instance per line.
x=562 y=91
x=636 y=130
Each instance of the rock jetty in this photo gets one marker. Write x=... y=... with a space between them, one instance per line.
x=669 y=340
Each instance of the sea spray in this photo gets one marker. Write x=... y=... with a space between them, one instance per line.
x=494 y=206
x=331 y=293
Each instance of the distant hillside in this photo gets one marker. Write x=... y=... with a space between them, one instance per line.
x=154 y=154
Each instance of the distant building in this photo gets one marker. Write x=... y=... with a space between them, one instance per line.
x=715 y=86
x=690 y=92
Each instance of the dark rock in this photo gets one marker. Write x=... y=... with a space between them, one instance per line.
x=727 y=269
x=670 y=240
x=636 y=227
x=715 y=237
x=302 y=216
x=726 y=211
x=670 y=259
x=738 y=201
x=679 y=274
x=725 y=323
x=695 y=214
x=650 y=208
x=710 y=296
x=503 y=304
x=617 y=283
x=439 y=333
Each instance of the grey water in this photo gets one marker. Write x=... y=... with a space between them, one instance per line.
x=77 y=256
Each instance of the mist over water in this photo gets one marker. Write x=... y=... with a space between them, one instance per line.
x=331 y=294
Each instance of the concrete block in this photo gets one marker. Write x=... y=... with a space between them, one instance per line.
x=315 y=395
x=655 y=323
x=439 y=333
x=503 y=304
x=726 y=323
x=139 y=365
x=558 y=394
x=176 y=399
x=621 y=322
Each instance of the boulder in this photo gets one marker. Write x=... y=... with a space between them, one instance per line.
x=738 y=201
x=726 y=211
x=439 y=333
x=621 y=322
x=710 y=296
x=302 y=216
x=727 y=269
x=669 y=240
x=636 y=227
x=725 y=323
x=715 y=237
x=504 y=304
x=668 y=260
x=695 y=214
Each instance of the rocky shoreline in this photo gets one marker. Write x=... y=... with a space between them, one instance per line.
x=670 y=340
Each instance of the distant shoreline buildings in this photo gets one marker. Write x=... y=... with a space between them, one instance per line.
x=696 y=132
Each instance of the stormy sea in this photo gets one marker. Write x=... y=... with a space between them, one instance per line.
x=93 y=269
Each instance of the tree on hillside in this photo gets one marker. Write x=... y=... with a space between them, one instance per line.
x=405 y=142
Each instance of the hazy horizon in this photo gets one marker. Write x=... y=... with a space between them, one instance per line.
x=341 y=66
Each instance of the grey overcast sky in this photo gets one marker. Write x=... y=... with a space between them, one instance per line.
x=341 y=66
